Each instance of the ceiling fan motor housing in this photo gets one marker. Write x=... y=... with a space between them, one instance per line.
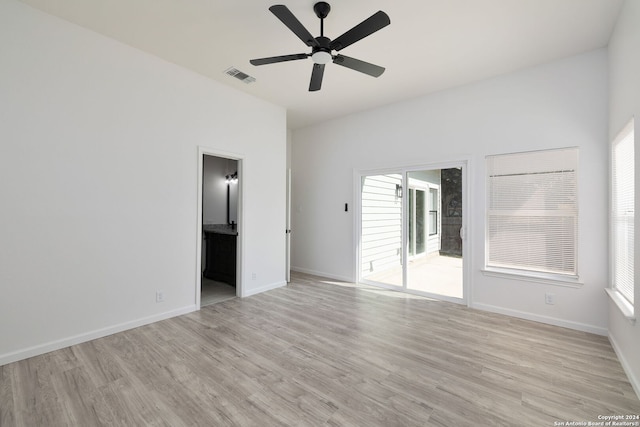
x=321 y=54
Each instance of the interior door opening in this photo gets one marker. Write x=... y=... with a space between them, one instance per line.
x=219 y=223
x=410 y=231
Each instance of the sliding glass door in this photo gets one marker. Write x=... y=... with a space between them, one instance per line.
x=410 y=234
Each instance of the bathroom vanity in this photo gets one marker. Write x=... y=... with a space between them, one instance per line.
x=220 y=261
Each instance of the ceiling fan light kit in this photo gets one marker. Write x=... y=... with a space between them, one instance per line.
x=322 y=47
x=321 y=57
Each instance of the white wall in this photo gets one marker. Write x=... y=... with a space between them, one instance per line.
x=98 y=183
x=624 y=103
x=560 y=104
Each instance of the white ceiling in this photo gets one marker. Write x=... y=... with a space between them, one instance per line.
x=430 y=45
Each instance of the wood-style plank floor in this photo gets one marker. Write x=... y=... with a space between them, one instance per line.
x=212 y=292
x=323 y=353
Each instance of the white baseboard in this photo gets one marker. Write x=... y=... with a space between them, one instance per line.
x=542 y=319
x=88 y=336
x=323 y=274
x=635 y=383
x=263 y=289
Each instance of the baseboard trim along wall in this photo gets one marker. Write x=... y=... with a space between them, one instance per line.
x=323 y=274
x=542 y=319
x=92 y=335
x=110 y=330
x=263 y=289
x=635 y=383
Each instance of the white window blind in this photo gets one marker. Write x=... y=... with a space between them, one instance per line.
x=533 y=211
x=623 y=207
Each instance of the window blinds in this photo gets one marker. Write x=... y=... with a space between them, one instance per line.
x=533 y=211
x=622 y=215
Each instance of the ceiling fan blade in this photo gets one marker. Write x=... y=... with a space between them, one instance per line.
x=288 y=19
x=316 y=77
x=283 y=58
x=367 y=27
x=358 y=65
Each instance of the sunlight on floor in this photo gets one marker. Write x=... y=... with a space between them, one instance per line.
x=441 y=275
x=377 y=290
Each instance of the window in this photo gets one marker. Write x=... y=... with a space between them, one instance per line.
x=532 y=212
x=423 y=217
x=622 y=211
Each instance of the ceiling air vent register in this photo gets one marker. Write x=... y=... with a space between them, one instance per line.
x=243 y=77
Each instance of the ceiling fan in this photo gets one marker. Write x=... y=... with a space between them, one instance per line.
x=322 y=47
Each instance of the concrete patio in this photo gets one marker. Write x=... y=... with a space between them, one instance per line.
x=433 y=274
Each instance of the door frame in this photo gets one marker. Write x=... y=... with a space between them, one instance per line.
x=207 y=151
x=426 y=188
x=288 y=229
x=466 y=235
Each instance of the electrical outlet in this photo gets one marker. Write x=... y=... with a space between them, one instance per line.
x=159 y=296
x=549 y=299
x=253 y=276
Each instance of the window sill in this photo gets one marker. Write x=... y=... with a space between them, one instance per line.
x=625 y=307
x=547 y=279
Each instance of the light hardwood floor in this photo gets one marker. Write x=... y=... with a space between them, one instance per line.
x=323 y=353
x=212 y=292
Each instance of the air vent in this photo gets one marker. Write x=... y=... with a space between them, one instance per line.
x=244 y=77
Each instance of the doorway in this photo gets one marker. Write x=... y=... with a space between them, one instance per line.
x=219 y=228
x=411 y=226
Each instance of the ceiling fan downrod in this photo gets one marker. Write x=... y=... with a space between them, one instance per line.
x=321 y=54
x=322 y=10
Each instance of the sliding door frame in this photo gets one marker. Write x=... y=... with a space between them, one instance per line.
x=359 y=174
